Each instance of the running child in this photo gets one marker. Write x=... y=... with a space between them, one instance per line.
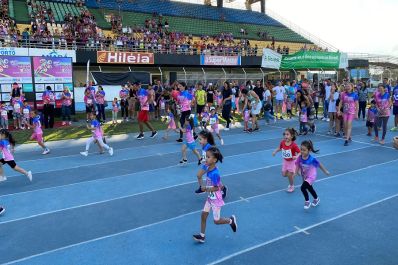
x=38 y=132
x=306 y=166
x=4 y=116
x=189 y=142
x=205 y=115
x=214 y=199
x=206 y=140
x=303 y=119
x=26 y=116
x=115 y=110
x=171 y=124
x=290 y=152
x=95 y=127
x=213 y=121
x=7 y=144
x=371 y=117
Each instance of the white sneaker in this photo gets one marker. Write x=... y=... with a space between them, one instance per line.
x=323 y=118
x=226 y=129
x=46 y=151
x=85 y=153
x=327 y=119
x=290 y=188
x=3 y=178
x=110 y=151
x=307 y=205
x=315 y=202
x=30 y=177
x=222 y=142
x=70 y=123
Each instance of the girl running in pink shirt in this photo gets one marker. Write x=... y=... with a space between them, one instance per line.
x=189 y=142
x=290 y=152
x=307 y=167
x=7 y=144
x=38 y=132
x=349 y=102
x=214 y=199
x=214 y=121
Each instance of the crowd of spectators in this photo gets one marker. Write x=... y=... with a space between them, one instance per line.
x=8 y=26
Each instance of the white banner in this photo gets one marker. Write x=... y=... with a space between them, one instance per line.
x=271 y=59
x=11 y=51
x=53 y=53
x=343 y=60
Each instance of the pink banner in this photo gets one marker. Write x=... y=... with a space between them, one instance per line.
x=15 y=69
x=52 y=69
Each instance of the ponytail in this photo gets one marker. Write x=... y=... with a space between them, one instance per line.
x=310 y=146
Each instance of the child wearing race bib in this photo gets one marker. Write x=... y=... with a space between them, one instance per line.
x=38 y=132
x=290 y=152
x=26 y=116
x=205 y=117
x=171 y=124
x=213 y=121
x=214 y=199
x=306 y=166
x=115 y=110
x=95 y=127
x=89 y=102
x=189 y=142
x=17 y=110
x=7 y=144
x=206 y=140
x=4 y=116
x=371 y=117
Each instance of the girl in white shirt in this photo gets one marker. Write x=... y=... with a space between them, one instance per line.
x=332 y=108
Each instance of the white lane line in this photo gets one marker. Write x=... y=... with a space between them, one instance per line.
x=140 y=172
x=299 y=231
x=229 y=203
x=243 y=199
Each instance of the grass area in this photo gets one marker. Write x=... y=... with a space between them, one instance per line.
x=81 y=131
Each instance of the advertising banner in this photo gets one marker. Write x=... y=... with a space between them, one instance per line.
x=220 y=60
x=271 y=59
x=312 y=60
x=53 y=53
x=15 y=69
x=125 y=57
x=52 y=70
x=11 y=51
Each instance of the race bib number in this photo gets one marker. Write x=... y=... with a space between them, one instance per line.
x=3 y=113
x=162 y=105
x=212 y=195
x=25 y=111
x=213 y=121
x=89 y=101
x=204 y=156
x=346 y=107
x=287 y=153
x=17 y=106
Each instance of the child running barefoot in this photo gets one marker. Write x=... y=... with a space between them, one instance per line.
x=307 y=167
x=38 y=132
x=214 y=200
x=171 y=124
x=95 y=128
x=189 y=142
x=7 y=144
x=213 y=121
x=206 y=140
x=290 y=152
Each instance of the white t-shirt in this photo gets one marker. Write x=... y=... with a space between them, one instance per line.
x=327 y=91
x=267 y=96
x=332 y=103
x=280 y=92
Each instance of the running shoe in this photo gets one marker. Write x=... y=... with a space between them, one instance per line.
x=234 y=225
x=140 y=136
x=46 y=151
x=183 y=161
x=307 y=205
x=376 y=139
x=222 y=142
x=179 y=140
x=394 y=129
x=338 y=135
x=346 y=143
x=226 y=129
x=290 y=188
x=315 y=202
x=85 y=153
x=368 y=134
x=3 y=178
x=153 y=135
x=313 y=128
x=199 y=238
x=224 y=192
x=200 y=161
x=195 y=136
x=2 y=210
x=199 y=190
x=30 y=177
x=110 y=151
x=382 y=142
x=256 y=129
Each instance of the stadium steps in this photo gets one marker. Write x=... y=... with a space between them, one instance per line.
x=99 y=17
x=21 y=8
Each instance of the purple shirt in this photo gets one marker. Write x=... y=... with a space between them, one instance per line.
x=383 y=104
x=97 y=133
x=308 y=168
x=6 y=150
x=395 y=96
x=372 y=112
x=189 y=134
x=349 y=100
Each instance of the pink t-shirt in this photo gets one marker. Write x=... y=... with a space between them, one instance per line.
x=143 y=102
x=349 y=100
x=184 y=100
x=213 y=179
x=5 y=147
x=383 y=104
x=189 y=134
x=308 y=168
x=97 y=133
x=66 y=99
x=100 y=97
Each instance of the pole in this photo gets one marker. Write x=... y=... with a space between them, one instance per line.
x=204 y=75
x=243 y=69
x=263 y=76
x=225 y=74
x=280 y=74
x=185 y=74
x=161 y=75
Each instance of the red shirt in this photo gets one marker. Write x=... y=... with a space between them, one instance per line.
x=289 y=151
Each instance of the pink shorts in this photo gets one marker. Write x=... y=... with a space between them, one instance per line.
x=37 y=137
x=348 y=117
x=216 y=210
x=215 y=129
x=289 y=166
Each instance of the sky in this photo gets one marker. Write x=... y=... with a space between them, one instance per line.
x=356 y=26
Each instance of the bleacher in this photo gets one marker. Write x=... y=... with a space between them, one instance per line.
x=171 y=8
x=60 y=9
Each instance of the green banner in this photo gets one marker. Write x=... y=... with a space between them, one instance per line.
x=313 y=60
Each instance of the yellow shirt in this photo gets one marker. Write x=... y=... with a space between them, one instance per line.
x=200 y=97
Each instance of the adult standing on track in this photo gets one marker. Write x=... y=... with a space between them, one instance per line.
x=100 y=103
x=143 y=114
x=383 y=105
x=48 y=107
x=184 y=100
x=250 y=97
x=124 y=104
x=395 y=107
x=279 y=91
x=363 y=99
x=66 y=98
x=328 y=88
x=349 y=102
x=227 y=104
x=200 y=96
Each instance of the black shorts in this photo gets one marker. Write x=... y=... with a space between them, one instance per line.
x=369 y=124
x=11 y=163
x=89 y=109
x=395 y=110
x=199 y=108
